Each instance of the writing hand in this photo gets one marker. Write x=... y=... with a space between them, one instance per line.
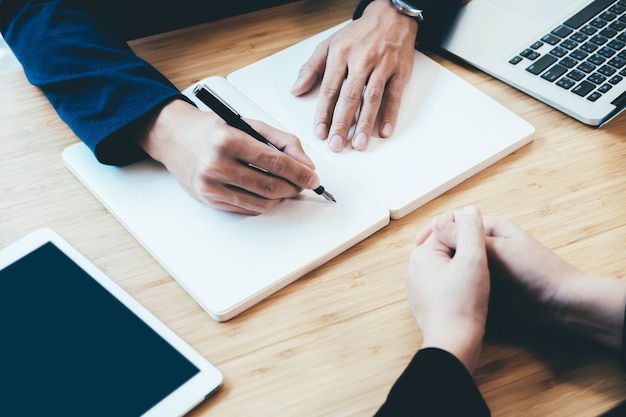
x=211 y=160
x=362 y=70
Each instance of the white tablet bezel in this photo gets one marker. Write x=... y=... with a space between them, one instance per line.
x=188 y=395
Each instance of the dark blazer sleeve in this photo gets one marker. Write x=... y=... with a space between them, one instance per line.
x=439 y=15
x=620 y=410
x=73 y=51
x=622 y=353
x=435 y=383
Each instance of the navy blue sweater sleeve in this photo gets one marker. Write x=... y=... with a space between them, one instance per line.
x=435 y=383
x=439 y=15
x=97 y=85
x=76 y=51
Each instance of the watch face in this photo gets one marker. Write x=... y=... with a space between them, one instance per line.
x=409 y=8
x=409 y=4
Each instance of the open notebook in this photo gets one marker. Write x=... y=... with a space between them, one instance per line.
x=447 y=131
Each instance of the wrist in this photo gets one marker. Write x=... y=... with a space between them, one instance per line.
x=463 y=340
x=386 y=13
x=593 y=306
x=385 y=9
x=163 y=129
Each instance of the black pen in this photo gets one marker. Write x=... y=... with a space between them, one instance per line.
x=232 y=118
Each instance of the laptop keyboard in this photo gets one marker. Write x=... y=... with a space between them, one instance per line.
x=586 y=54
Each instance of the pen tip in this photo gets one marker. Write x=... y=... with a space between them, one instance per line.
x=328 y=196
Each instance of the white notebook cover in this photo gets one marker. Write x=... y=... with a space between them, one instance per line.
x=447 y=131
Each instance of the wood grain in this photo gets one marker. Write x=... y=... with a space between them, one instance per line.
x=333 y=343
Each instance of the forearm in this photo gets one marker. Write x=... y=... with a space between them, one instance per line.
x=593 y=306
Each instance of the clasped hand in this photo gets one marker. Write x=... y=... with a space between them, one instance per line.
x=461 y=253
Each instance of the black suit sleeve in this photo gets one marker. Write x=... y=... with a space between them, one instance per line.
x=622 y=353
x=435 y=383
x=620 y=410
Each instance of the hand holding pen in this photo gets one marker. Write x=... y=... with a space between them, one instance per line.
x=206 y=156
x=234 y=119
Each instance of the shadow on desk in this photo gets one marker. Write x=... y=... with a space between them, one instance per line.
x=563 y=358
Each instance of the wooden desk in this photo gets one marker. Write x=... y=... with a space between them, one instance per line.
x=333 y=343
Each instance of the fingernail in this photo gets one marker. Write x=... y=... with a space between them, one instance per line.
x=321 y=131
x=360 y=141
x=336 y=143
x=387 y=130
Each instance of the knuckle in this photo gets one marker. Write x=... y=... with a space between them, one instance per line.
x=258 y=206
x=369 y=56
x=366 y=125
x=329 y=90
x=393 y=96
x=205 y=185
x=351 y=94
x=221 y=141
x=277 y=163
x=271 y=188
x=341 y=46
x=308 y=70
x=373 y=94
x=341 y=125
x=323 y=114
x=303 y=178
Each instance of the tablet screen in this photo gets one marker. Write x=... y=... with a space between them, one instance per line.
x=70 y=348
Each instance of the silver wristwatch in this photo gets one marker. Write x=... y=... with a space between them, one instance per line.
x=408 y=8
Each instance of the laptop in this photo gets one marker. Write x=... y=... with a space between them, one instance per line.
x=569 y=54
x=76 y=344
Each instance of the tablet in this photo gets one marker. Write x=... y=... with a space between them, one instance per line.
x=74 y=343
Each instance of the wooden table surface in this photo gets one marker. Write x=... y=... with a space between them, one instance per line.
x=333 y=343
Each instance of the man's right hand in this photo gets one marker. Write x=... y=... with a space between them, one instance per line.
x=211 y=160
